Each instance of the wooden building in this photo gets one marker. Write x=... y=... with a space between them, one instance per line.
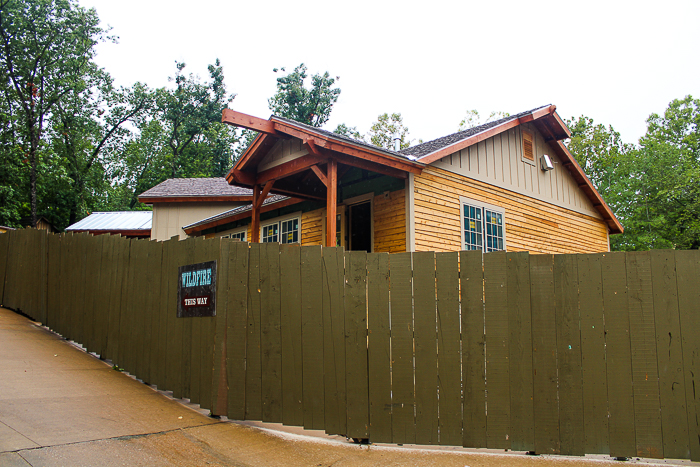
x=181 y=201
x=510 y=184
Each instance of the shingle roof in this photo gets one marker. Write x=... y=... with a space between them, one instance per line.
x=347 y=139
x=424 y=149
x=195 y=187
x=232 y=212
x=118 y=220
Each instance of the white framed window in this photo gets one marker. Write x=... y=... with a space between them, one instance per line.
x=483 y=226
x=282 y=230
x=239 y=235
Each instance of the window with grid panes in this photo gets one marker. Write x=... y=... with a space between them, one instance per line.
x=282 y=231
x=483 y=228
x=269 y=233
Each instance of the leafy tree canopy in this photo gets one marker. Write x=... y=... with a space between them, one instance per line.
x=387 y=129
x=295 y=101
x=474 y=119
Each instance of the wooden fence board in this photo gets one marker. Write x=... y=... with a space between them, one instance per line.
x=522 y=428
x=151 y=307
x=270 y=333
x=593 y=365
x=236 y=332
x=195 y=323
x=117 y=287
x=312 y=337
x=210 y=252
x=42 y=276
x=139 y=308
x=190 y=245
x=403 y=429
x=497 y=375
x=425 y=338
x=81 y=292
x=473 y=349
x=674 y=419
x=253 y=382
x=619 y=363
x=13 y=272
x=571 y=430
x=645 y=380
x=379 y=343
x=4 y=251
x=544 y=364
x=164 y=307
x=292 y=389
x=176 y=326
x=93 y=264
x=219 y=393
x=53 y=278
x=449 y=352
x=101 y=304
x=356 y=344
x=688 y=272
x=334 y=339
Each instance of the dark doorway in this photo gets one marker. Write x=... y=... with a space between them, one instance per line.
x=361 y=227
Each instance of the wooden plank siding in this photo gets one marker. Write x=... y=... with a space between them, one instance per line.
x=531 y=225
x=390 y=222
x=313 y=223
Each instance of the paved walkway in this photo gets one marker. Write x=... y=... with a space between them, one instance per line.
x=62 y=407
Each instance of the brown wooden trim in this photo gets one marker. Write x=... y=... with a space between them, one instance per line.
x=266 y=189
x=561 y=124
x=371 y=166
x=310 y=145
x=296 y=194
x=196 y=199
x=477 y=138
x=242 y=120
x=587 y=187
x=242 y=215
x=331 y=201
x=255 y=227
x=289 y=168
x=319 y=173
x=239 y=177
x=352 y=150
x=256 y=144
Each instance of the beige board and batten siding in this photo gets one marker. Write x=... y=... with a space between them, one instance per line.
x=168 y=218
x=499 y=161
x=283 y=151
x=531 y=224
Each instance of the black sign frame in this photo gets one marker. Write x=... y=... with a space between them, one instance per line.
x=196 y=290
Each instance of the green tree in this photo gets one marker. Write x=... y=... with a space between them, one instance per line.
x=295 y=101
x=668 y=175
x=47 y=49
x=387 y=129
x=348 y=131
x=474 y=119
x=190 y=115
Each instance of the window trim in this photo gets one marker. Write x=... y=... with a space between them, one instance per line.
x=243 y=230
x=491 y=207
x=279 y=220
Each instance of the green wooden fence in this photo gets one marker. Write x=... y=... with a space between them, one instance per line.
x=567 y=354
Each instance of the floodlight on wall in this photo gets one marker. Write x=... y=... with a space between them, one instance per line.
x=546 y=163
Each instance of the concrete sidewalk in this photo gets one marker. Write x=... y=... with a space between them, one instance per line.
x=60 y=406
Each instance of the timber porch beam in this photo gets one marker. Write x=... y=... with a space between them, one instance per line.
x=242 y=120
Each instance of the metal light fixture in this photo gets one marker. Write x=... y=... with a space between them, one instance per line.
x=546 y=163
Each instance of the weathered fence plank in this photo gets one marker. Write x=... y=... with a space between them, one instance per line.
x=403 y=428
x=292 y=385
x=688 y=272
x=473 y=349
x=618 y=354
x=334 y=340
x=312 y=337
x=449 y=354
x=670 y=355
x=544 y=352
x=571 y=430
x=177 y=349
x=253 y=400
x=379 y=344
x=645 y=380
x=593 y=366
x=356 y=344
x=270 y=333
x=53 y=281
x=522 y=427
x=425 y=338
x=210 y=252
x=4 y=252
x=496 y=338
x=236 y=329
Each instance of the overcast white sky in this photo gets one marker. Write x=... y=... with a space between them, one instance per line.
x=615 y=62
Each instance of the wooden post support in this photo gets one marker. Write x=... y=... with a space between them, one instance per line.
x=331 y=201
x=255 y=221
